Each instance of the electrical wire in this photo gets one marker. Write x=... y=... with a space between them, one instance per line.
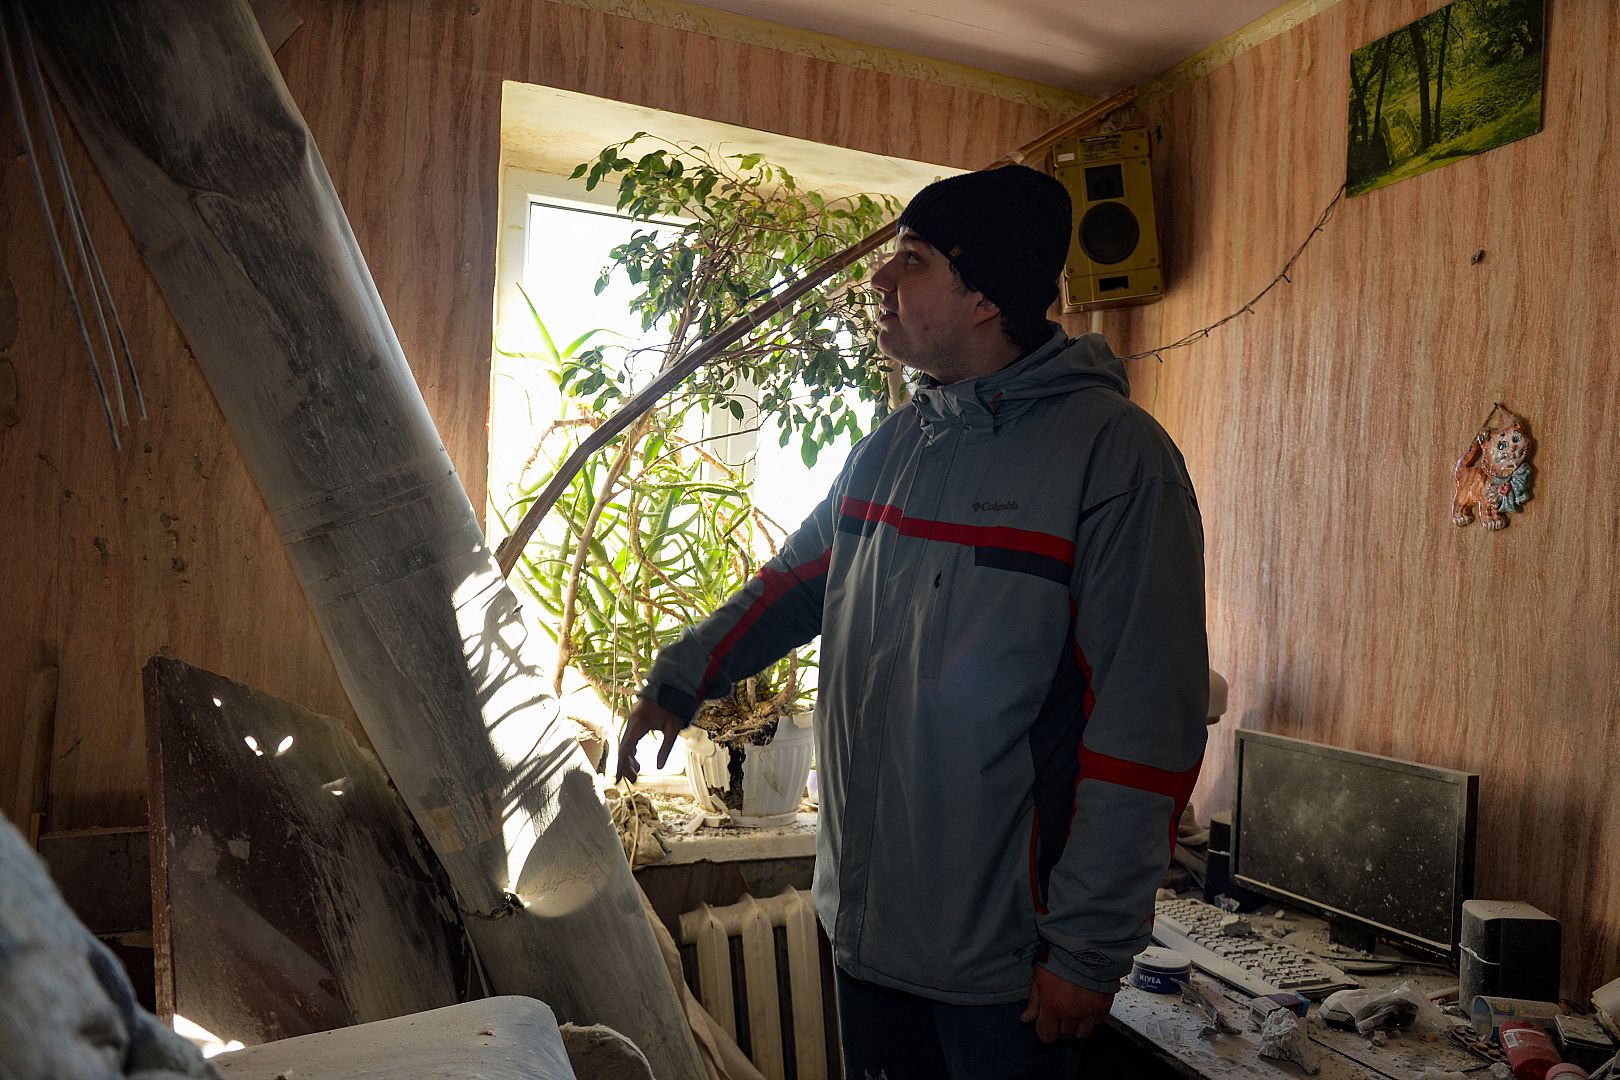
x=90 y=261
x=6 y=13
x=1248 y=309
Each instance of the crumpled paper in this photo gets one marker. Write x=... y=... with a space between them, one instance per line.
x=1282 y=1040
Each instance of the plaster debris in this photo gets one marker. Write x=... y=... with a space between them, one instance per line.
x=600 y=1053
x=1214 y=1023
x=1281 y=1039
x=635 y=819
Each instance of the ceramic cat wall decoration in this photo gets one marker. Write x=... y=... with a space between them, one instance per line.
x=1493 y=474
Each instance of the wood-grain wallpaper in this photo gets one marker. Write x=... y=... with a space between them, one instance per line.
x=1321 y=432
x=111 y=556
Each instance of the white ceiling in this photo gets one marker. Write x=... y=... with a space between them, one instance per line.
x=1090 y=46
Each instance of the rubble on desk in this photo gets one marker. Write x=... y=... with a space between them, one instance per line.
x=1368 y=1011
x=1282 y=1039
x=1214 y=1022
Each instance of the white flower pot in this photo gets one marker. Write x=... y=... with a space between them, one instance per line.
x=765 y=787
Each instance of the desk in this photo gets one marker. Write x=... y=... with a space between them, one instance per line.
x=1168 y=1029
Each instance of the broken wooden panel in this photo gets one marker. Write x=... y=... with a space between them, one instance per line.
x=105 y=875
x=65 y=1007
x=192 y=128
x=293 y=894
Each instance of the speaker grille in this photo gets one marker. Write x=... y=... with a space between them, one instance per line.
x=1109 y=232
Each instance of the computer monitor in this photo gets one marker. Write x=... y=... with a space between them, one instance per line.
x=1381 y=848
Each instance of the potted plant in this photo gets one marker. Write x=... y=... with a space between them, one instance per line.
x=655 y=532
x=676 y=536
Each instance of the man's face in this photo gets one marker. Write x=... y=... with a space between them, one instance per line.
x=924 y=312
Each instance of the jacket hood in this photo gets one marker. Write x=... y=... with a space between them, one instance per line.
x=1062 y=366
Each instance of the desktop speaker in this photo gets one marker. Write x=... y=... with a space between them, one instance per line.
x=1114 y=253
x=1509 y=949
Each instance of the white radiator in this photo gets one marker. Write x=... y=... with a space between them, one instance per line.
x=710 y=930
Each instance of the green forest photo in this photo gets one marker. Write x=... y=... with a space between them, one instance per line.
x=1461 y=80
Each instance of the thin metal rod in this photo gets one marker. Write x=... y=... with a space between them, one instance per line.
x=50 y=225
x=112 y=308
x=506 y=555
x=89 y=265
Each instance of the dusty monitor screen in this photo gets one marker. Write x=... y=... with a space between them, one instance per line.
x=1375 y=844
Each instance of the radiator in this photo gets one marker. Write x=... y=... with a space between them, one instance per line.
x=752 y=922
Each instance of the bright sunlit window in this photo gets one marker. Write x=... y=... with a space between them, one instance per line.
x=565 y=244
x=555 y=241
x=562 y=244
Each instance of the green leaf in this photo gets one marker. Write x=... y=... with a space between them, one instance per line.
x=540 y=325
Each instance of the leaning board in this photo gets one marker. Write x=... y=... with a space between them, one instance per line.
x=292 y=893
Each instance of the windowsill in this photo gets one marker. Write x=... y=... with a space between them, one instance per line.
x=713 y=840
x=728 y=843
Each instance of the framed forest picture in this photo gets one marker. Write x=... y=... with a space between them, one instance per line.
x=1464 y=79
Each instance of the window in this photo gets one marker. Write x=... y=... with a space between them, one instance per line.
x=554 y=241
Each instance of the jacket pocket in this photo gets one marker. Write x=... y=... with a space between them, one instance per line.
x=934 y=612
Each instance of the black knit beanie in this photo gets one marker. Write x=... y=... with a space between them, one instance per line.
x=1006 y=230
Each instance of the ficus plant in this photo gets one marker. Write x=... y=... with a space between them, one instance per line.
x=656 y=531
x=722 y=233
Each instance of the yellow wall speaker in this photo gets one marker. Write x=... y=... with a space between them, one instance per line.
x=1114 y=253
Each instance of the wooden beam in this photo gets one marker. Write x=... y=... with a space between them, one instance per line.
x=186 y=115
x=30 y=795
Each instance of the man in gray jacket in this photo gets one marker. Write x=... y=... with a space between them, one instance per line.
x=1007 y=578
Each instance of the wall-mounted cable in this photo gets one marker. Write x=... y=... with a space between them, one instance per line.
x=1247 y=309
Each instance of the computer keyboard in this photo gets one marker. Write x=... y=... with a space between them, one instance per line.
x=1253 y=963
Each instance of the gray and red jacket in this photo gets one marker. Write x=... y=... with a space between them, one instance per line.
x=1007 y=578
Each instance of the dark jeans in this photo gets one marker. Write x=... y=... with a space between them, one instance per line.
x=892 y=1035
